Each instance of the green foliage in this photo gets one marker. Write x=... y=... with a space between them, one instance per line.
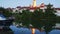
x=26 y=18
x=36 y=16
x=17 y=17
x=50 y=18
x=58 y=19
x=4 y=11
x=37 y=19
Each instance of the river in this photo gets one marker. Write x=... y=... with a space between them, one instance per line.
x=28 y=31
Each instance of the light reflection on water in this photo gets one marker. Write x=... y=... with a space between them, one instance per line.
x=28 y=31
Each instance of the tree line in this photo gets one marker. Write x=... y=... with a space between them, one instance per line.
x=37 y=19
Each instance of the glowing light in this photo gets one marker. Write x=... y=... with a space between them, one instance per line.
x=33 y=30
x=34 y=3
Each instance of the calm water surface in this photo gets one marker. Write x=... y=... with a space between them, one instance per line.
x=28 y=31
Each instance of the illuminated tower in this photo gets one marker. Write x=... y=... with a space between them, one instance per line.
x=34 y=3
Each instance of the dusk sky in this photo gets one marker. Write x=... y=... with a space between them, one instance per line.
x=15 y=3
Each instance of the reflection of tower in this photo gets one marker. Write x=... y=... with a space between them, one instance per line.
x=34 y=3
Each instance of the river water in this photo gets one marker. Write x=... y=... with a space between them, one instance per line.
x=28 y=31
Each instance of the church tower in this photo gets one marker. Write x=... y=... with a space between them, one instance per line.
x=34 y=3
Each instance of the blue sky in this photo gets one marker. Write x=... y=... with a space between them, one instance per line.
x=15 y=3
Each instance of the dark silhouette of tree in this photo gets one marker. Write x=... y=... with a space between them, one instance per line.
x=46 y=19
x=37 y=15
x=26 y=18
x=5 y=12
x=58 y=19
x=38 y=18
x=50 y=18
x=17 y=17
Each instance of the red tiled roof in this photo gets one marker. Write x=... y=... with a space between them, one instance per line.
x=18 y=7
x=57 y=8
x=33 y=8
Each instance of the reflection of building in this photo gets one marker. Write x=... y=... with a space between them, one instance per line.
x=57 y=26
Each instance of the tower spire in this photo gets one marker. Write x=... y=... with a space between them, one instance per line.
x=34 y=3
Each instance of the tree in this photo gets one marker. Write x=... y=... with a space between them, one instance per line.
x=32 y=18
x=26 y=18
x=39 y=19
x=58 y=19
x=50 y=18
x=36 y=16
x=5 y=12
x=45 y=19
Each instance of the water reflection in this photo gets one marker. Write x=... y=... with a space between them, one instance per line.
x=20 y=30
x=28 y=31
x=56 y=31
